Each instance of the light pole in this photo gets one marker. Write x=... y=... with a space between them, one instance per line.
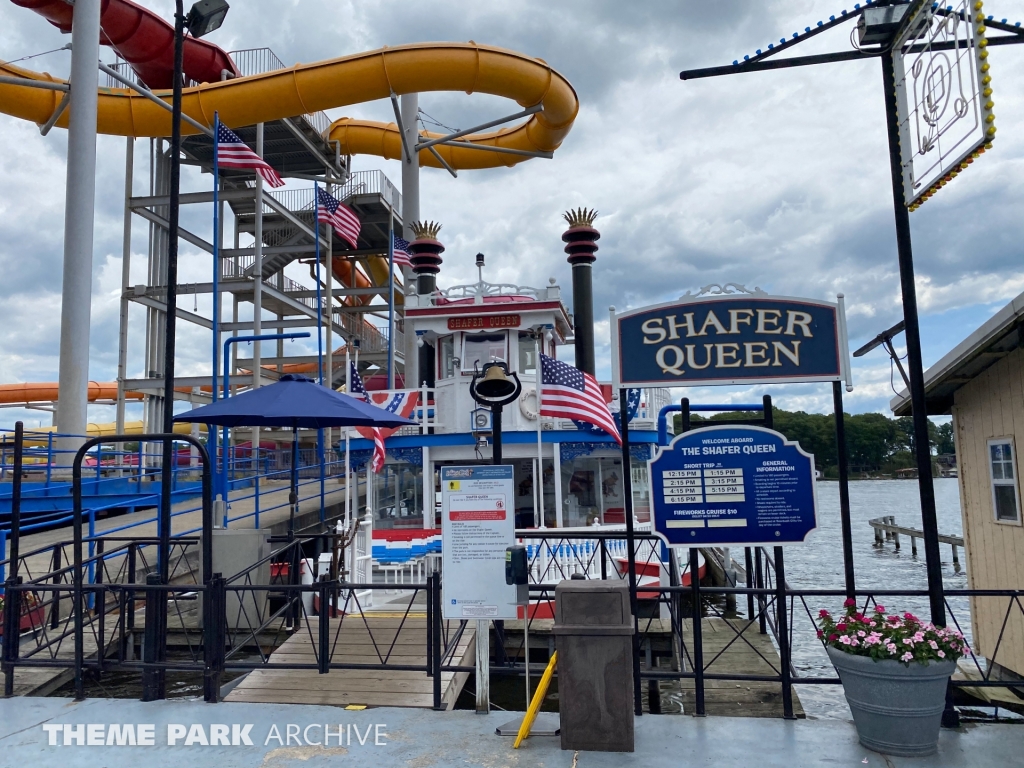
x=204 y=17
x=493 y=387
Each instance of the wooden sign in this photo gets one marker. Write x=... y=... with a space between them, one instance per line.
x=483 y=322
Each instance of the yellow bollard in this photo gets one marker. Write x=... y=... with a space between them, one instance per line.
x=535 y=704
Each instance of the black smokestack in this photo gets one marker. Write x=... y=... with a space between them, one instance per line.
x=425 y=256
x=581 y=245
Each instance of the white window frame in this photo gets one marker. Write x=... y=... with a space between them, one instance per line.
x=467 y=365
x=993 y=482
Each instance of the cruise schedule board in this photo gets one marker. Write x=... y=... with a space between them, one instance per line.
x=733 y=485
x=477 y=524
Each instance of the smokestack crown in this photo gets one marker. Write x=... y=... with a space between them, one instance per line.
x=581 y=237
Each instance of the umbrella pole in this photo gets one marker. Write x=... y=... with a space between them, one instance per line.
x=293 y=495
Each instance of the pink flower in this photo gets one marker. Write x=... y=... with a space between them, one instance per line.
x=942 y=654
x=861 y=633
x=919 y=637
x=823 y=614
x=849 y=603
x=833 y=637
x=934 y=645
x=907 y=641
x=820 y=634
x=906 y=656
x=891 y=647
x=879 y=609
x=910 y=617
x=855 y=642
x=841 y=626
x=844 y=640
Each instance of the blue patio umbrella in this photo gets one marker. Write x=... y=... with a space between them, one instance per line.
x=296 y=402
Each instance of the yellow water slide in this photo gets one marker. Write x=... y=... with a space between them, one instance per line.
x=363 y=77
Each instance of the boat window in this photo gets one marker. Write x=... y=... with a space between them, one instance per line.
x=526 y=354
x=478 y=349
x=1005 y=494
x=446 y=357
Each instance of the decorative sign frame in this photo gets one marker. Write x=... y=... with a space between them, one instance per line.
x=730 y=335
x=736 y=485
x=943 y=92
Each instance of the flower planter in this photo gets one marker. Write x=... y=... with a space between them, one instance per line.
x=897 y=707
x=31 y=620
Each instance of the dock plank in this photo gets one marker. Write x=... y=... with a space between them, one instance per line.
x=353 y=641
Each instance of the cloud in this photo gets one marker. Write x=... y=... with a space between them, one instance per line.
x=777 y=179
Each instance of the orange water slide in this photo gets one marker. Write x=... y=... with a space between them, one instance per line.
x=46 y=392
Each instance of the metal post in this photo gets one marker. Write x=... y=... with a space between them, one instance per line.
x=391 y=298
x=150 y=652
x=430 y=624
x=483 y=667
x=627 y=492
x=218 y=237
x=748 y=565
x=844 y=488
x=698 y=638
x=538 y=512
x=438 y=643
x=762 y=620
x=496 y=453
x=410 y=205
x=126 y=260
x=257 y=289
x=782 y=619
x=169 y=453
x=324 y=627
x=915 y=366
x=80 y=197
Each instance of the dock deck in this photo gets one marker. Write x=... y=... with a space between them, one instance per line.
x=368 y=638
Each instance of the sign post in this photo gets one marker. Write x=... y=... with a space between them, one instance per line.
x=477 y=526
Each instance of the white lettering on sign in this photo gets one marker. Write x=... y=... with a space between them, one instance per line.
x=674 y=359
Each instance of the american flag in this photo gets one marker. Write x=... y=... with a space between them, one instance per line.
x=232 y=152
x=400 y=250
x=569 y=393
x=330 y=210
x=357 y=389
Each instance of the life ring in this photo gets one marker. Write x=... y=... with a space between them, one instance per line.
x=524 y=408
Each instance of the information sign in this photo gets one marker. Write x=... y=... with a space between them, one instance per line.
x=477 y=525
x=733 y=485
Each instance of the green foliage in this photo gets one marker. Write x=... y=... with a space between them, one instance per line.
x=874 y=442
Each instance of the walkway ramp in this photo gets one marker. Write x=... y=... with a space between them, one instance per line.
x=369 y=638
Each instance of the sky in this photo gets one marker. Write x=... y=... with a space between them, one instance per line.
x=776 y=179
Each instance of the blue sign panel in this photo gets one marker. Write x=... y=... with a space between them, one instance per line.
x=735 y=339
x=731 y=486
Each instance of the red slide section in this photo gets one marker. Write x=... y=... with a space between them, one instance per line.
x=144 y=40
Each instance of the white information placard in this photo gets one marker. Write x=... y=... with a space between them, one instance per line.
x=477 y=525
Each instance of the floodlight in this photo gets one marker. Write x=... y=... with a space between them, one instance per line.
x=206 y=16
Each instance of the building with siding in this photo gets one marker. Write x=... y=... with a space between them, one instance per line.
x=981 y=384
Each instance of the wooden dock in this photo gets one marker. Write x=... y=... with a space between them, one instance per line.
x=369 y=638
x=886 y=529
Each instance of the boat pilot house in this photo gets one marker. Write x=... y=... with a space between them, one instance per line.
x=981 y=384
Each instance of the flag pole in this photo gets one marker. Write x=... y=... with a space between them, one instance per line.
x=391 y=300
x=319 y=340
x=540 y=434
x=211 y=429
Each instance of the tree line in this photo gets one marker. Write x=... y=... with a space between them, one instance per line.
x=874 y=442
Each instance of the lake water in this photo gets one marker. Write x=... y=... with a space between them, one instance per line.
x=819 y=564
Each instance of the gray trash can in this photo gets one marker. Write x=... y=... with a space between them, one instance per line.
x=593 y=635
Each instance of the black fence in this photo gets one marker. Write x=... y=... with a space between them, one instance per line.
x=105 y=604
